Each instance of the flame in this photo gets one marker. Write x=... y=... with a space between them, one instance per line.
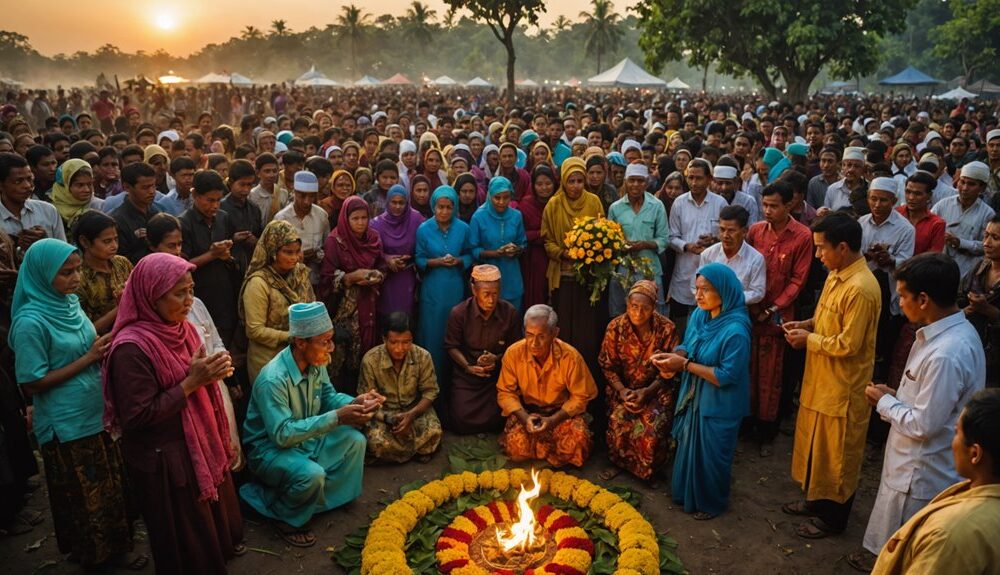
x=521 y=535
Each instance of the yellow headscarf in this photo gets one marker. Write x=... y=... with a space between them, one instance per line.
x=560 y=215
x=154 y=150
x=69 y=207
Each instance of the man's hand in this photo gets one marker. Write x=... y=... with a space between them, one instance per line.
x=875 y=391
x=221 y=250
x=797 y=338
x=353 y=414
x=370 y=400
x=639 y=399
x=535 y=423
x=404 y=423
x=979 y=305
x=952 y=240
x=477 y=371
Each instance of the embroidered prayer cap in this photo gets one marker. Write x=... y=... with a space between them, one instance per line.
x=307 y=320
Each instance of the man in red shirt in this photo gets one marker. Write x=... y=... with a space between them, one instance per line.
x=917 y=209
x=104 y=109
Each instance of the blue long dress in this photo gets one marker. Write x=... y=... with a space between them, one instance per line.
x=441 y=288
x=489 y=230
x=707 y=420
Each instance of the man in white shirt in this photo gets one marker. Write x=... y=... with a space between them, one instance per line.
x=266 y=194
x=693 y=223
x=310 y=220
x=726 y=182
x=733 y=251
x=965 y=215
x=25 y=220
x=945 y=368
x=843 y=193
x=407 y=162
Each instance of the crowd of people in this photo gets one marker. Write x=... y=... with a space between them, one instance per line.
x=215 y=299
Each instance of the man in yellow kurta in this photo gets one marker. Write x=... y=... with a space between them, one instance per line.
x=840 y=355
x=543 y=391
x=957 y=532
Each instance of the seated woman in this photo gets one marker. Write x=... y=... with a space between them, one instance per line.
x=497 y=237
x=58 y=364
x=353 y=269
x=161 y=392
x=397 y=228
x=276 y=279
x=543 y=391
x=714 y=394
x=103 y=273
x=640 y=402
x=403 y=373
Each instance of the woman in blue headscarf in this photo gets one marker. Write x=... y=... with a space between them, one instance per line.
x=442 y=256
x=58 y=363
x=714 y=397
x=497 y=237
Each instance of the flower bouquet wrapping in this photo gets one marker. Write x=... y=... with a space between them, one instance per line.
x=599 y=251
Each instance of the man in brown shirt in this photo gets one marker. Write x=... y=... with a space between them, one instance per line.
x=480 y=329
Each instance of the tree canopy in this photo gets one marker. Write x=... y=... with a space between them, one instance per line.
x=970 y=37
x=773 y=42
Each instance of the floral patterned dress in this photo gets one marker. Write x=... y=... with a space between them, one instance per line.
x=638 y=442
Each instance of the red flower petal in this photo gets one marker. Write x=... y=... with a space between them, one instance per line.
x=497 y=516
x=562 y=523
x=442 y=545
x=578 y=543
x=474 y=517
x=457 y=535
x=560 y=569
x=452 y=565
x=543 y=513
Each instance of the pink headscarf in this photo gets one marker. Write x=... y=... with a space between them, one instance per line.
x=170 y=347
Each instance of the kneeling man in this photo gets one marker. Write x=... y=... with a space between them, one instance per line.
x=300 y=438
x=403 y=373
x=543 y=391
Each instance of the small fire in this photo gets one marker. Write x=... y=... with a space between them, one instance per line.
x=521 y=535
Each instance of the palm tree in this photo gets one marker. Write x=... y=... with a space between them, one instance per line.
x=353 y=24
x=279 y=27
x=250 y=33
x=603 y=27
x=419 y=25
x=561 y=23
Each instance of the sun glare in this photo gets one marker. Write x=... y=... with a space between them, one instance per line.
x=165 y=20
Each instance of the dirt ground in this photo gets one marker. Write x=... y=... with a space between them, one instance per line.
x=754 y=537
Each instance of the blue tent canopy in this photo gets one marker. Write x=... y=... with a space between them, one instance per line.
x=909 y=77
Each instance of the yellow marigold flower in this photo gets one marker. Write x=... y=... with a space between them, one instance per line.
x=553 y=517
x=636 y=541
x=484 y=514
x=392 y=567
x=626 y=572
x=455 y=485
x=589 y=227
x=455 y=543
x=470 y=569
x=588 y=261
x=598 y=245
x=419 y=501
x=451 y=554
x=382 y=558
x=603 y=501
x=504 y=512
x=465 y=525
x=571 y=532
x=637 y=527
x=619 y=514
x=575 y=558
x=640 y=560
x=599 y=259
x=545 y=478
x=438 y=491
x=518 y=477
x=501 y=480
x=470 y=481
x=607 y=253
x=403 y=514
x=584 y=492
x=562 y=485
x=486 y=479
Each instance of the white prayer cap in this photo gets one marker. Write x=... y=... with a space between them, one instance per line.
x=407 y=146
x=976 y=171
x=171 y=135
x=854 y=153
x=746 y=116
x=280 y=147
x=724 y=173
x=331 y=150
x=579 y=141
x=636 y=170
x=884 y=184
x=932 y=135
x=630 y=145
x=887 y=126
x=306 y=182
x=992 y=134
x=923 y=115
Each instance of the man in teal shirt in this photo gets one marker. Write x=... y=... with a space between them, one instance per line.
x=302 y=446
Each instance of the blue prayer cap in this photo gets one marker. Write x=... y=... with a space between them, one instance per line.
x=285 y=136
x=617 y=159
x=797 y=149
x=307 y=320
x=306 y=181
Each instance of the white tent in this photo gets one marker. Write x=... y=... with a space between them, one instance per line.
x=443 y=81
x=478 y=82
x=626 y=74
x=317 y=81
x=368 y=81
x=213 y=78
x=240 y=80
x=529 y=83
x=677 y=84
x=956 y=94
x=312 y=73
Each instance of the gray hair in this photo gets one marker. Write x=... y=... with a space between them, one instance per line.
x=541 y=312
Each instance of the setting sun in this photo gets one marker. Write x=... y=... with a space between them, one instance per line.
x=165 y=20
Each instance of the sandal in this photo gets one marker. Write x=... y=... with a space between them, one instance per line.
x=609 y=474
x=293 y=536
x=813 y=529
x=799 y=508
x=702 y=516
x=131 y=561
x=862 y=561
x=239 y=549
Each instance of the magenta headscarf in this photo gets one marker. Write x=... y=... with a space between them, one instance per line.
x=170 y=347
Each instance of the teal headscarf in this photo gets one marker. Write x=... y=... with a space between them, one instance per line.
x=777 y=162
x=498 y=184
x=35 y=298
x=702 y=327
x=445 y=192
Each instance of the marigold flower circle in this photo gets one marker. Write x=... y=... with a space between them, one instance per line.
x=384 y=551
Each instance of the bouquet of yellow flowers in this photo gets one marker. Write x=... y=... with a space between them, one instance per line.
x=598 y=249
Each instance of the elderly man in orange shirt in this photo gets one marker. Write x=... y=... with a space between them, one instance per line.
x=543 y=391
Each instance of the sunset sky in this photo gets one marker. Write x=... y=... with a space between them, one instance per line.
x=183 y=26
